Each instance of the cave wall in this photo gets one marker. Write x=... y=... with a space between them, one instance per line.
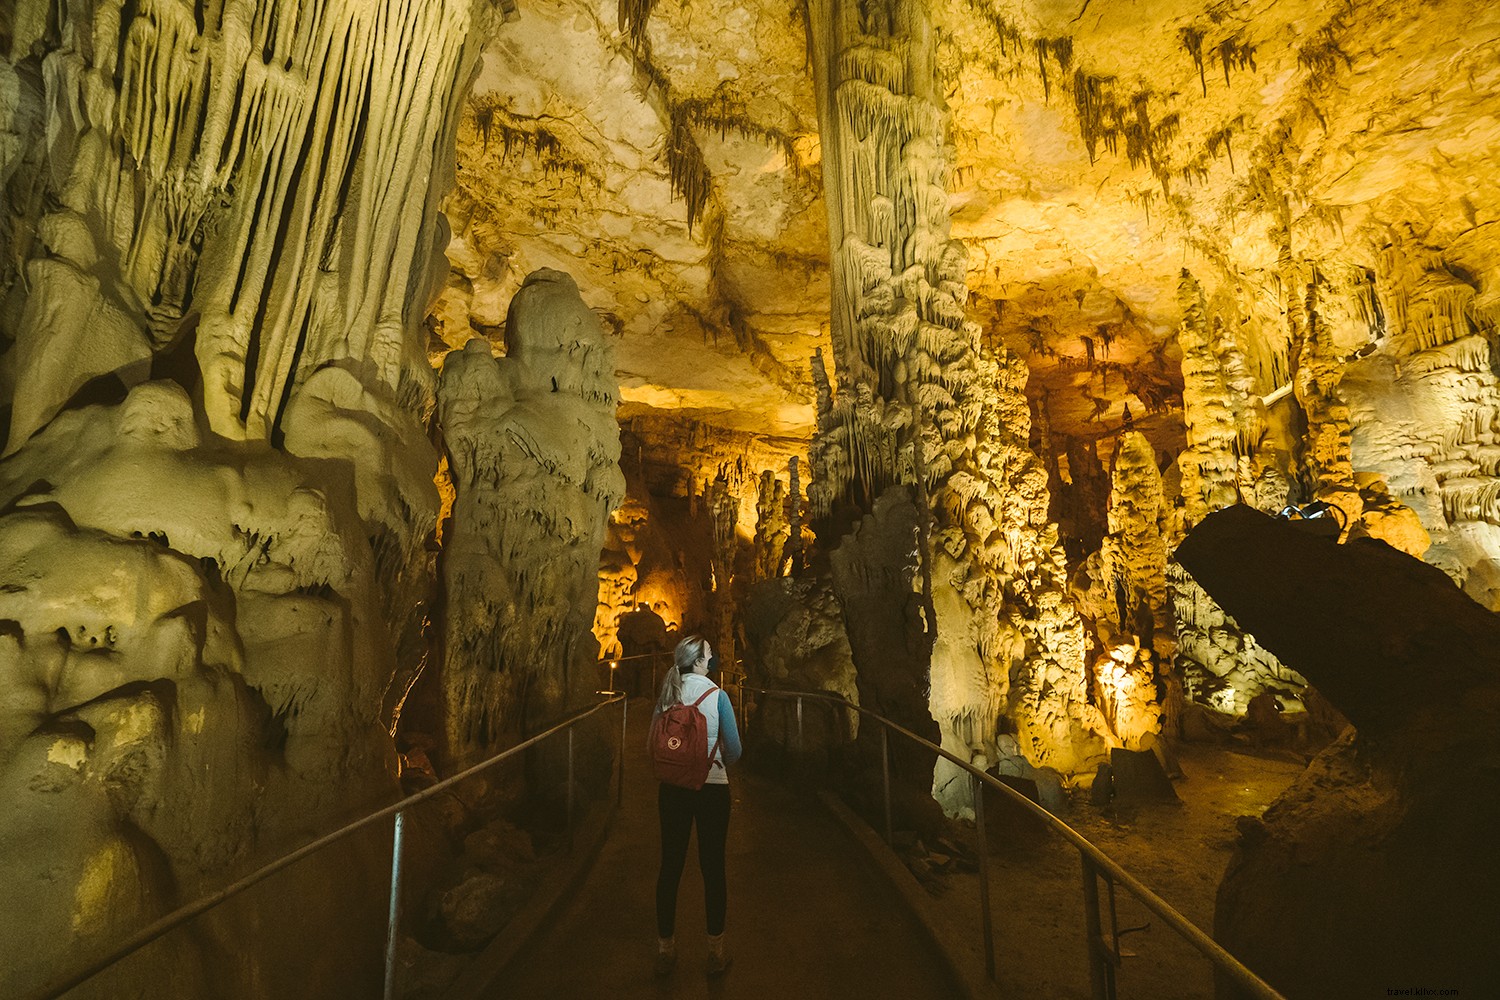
x=223 y=278
x=220 y=235
x=1088 y=158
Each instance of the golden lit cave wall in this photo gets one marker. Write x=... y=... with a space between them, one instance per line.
x=241 y=196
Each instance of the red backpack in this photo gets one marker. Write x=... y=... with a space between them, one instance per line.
x=679 y=745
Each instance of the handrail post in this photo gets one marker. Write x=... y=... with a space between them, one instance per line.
x=984 y=877
x=799 y=723
x=393 y=925
x=885 y=774
x=624 y=718
x=1114 y=919
x=1101 y=972
x=743 y=720
x=570 y=788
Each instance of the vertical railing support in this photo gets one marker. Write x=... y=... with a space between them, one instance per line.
x=393 y=925
x=986 y=923
x=624 y=718
x=799 y=724
x=1114 y=921
x=885 y=775
x=1101 y=970
x=570 y=787
x=742 y=718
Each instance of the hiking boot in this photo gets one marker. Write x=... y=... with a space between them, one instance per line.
x=666 y=958
x=719 y=959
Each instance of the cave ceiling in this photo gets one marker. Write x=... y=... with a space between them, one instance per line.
x=1098 y=148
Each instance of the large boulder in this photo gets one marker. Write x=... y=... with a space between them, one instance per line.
x=1376 y=868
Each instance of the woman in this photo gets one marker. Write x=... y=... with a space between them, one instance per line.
x=708 y=807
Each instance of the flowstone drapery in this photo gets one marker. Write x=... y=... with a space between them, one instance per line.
x=534 y=451
x=216 y=248
x=242 y=163
x=1424 y=406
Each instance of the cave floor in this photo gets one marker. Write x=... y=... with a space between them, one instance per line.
x=806 y=919
x=1178 y=851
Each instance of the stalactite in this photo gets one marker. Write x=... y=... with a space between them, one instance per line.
x=726 y=113
x=1223 y=139
x=1192 y=41
x=689 y=173
x=1060 y=49
x=1240 y=55
x=632 y=16
x=1100 y=117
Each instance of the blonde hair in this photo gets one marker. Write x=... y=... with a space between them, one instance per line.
x=689 y=652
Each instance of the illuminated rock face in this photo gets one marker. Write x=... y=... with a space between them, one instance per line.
x=240 y=163
x=1132 y=620
x=211 y=688
x=221 y=233
x=928 y=436
x=1270 y=150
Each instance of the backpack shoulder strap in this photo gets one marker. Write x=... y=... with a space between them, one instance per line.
x=704 y=695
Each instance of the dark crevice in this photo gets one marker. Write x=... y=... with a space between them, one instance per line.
x=278 y=245
x=278 y=435
x=346 y=183
x=128 y=13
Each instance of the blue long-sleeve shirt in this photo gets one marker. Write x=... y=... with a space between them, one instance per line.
x=729 y=730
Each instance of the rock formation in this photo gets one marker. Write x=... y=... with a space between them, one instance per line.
x=221 y=235
x=1226 y=253
x=927 y=436
x=796 y=637
x=534 y=454
x=1132 y=621
x=772 y=525
x=1374 y=866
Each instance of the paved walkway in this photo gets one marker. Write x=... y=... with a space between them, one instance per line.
x=807 y=919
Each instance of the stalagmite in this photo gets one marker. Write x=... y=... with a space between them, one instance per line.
x=1139 y=632
x=1221 y=429
x=772 y=530
x=308 y=493
x=723 y=509
x=534 y=451
x=1223 y=464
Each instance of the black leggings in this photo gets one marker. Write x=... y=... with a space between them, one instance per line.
x=679 y=808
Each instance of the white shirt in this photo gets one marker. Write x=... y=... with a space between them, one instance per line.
x=693 y=686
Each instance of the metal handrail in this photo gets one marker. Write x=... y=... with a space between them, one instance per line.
x=397 y=809
x=1103 y=956
x=633 y=656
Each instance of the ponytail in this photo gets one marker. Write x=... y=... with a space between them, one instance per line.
x=689 y=652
